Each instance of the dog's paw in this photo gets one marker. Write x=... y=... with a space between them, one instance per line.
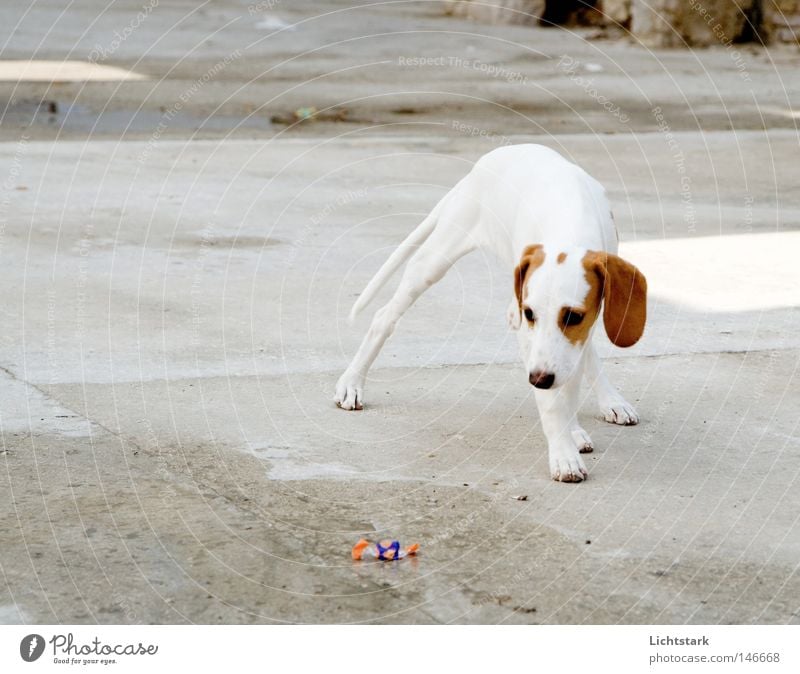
x=349 y=393
x=582 y=441
x=567 y=466
x=619 y=411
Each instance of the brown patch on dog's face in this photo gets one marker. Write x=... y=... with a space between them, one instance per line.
x=623 y=289
x=576 y=322
x=532 y=258
x=561 y=257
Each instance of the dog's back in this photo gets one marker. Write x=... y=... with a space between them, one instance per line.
x=531 y=193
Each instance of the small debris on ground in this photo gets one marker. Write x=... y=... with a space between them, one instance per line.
x=311 y=114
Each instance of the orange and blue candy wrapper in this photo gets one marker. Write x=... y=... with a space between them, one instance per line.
x=383 y=550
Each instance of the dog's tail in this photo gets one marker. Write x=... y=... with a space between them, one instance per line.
x=397 y=258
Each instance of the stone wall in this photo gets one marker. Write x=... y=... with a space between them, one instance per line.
x=617 y=11
x=675 y=23
x=781 y=20
x=657 y=23
x=498 y=11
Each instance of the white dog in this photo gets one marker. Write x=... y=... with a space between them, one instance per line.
x=550 y=222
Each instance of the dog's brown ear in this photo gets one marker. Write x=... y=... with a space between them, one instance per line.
x=624 y=297
x=532 y=257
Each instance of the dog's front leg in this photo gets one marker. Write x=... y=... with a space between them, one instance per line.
x=557 y=411
x=613 y=407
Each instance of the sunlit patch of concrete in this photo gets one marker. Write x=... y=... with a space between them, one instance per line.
x=742 y=272
x=781 y=112
x=12 y=614
x=63 y=71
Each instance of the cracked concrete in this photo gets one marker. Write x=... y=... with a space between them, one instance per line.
x=174 y=320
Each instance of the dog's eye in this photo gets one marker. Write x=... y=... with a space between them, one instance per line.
x=572 y=318
x=529 y=315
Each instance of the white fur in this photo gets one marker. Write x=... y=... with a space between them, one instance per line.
x=513 y=197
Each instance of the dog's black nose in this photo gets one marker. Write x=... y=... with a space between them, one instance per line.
x=542 y=379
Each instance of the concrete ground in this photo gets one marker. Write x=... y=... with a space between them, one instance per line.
x=179 y=258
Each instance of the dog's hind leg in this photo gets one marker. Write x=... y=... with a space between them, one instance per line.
x=427 y=266
x=613 y=407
